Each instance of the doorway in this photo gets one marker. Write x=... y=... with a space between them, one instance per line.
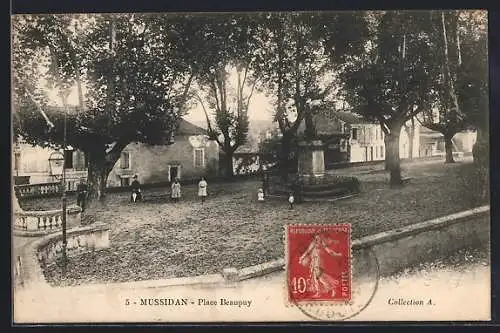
x=173 y=172
x=371 y=153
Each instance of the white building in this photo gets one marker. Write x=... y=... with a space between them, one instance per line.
x=32 y=164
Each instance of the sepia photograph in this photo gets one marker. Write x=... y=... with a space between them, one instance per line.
x=284 y=166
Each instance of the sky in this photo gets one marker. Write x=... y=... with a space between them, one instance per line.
x=260 y=108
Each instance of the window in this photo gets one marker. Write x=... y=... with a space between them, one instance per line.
x=17 y=160
x=68 y=159
x=354 y=133
x=125 y=181
x=125 y=160
x=199 y=157
x=382 y=151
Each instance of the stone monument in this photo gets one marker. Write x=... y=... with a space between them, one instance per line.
x=311 y=160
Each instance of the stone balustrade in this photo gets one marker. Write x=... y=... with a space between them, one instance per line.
x=43 y=222
x=37 y=190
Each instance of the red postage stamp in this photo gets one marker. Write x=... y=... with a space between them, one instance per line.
x=318 y=259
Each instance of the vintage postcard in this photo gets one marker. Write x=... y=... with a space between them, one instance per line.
x=250 y=167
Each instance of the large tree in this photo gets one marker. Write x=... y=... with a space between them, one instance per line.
x=459 y=93
x=225 y=77
x=473 y=87
x=391 y=81
x=294 y=69
x=445 y=113
x=135 y=68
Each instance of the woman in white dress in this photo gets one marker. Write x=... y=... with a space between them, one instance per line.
x=176 y=190
x=202 y=189
x=260 y=195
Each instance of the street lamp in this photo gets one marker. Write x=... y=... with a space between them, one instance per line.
x=57 y=170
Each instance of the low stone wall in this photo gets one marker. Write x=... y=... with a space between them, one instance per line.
x=29 y=264
x=398 y=249
x=429 y=240
x=36 y=223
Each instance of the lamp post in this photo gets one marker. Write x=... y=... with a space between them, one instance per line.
x=56 y=164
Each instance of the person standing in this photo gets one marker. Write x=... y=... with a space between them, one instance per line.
x=81 y=196
x=176 y=190
x=291 y=199
x=202 y=189
x=260 y=195
x=136 y=190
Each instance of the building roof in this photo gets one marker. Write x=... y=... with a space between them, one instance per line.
x=328 y=123
x=187 y=128
x=349 y=117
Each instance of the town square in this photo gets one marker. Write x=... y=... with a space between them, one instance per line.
x=153 y=149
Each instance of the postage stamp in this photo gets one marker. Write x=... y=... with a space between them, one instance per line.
x=318 y=263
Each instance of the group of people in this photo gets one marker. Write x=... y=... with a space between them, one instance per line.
x=136 y=195
x=175 y=193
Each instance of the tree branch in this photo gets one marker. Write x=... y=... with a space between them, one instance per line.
x=215 y=92
x=212 y=133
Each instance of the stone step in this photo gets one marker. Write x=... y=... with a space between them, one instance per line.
x=322 y=187
x=327 y=193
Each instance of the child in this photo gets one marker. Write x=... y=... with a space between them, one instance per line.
x=202 y=189
x=260 y=195
x=291 y=199
x=176 y=190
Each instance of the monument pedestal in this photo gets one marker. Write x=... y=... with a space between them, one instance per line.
x=311 y=160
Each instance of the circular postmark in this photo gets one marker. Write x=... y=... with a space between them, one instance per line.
x=365 y=275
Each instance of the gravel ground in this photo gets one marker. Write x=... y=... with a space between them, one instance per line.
x=160 y=239
x=462 y=261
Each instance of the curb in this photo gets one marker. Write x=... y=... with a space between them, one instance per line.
x=30 y=269
x=276 y=196
x=29 y=234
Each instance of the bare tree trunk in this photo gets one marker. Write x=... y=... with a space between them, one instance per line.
x=448 y=147
x=310 y=131
x=447 y=72
x=97 y=176
x=79 y=89
x=284 y=156
x=100 y=165
x=392 y=155
x=412 y=138
x=386 y=144
x=228 y=161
